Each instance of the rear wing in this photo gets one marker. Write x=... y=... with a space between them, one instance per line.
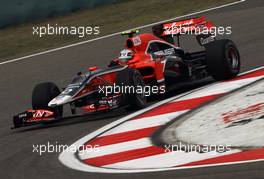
x=187 y=26
x=199 y=26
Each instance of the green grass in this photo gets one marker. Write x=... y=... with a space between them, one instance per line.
x=18 y=40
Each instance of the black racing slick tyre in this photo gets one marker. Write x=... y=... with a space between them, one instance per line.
x=223 y=59
x=132 y=78
x=42 y=94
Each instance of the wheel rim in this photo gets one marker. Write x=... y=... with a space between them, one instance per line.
x=233 y=60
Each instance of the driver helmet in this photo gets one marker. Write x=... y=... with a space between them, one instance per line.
x=126 y=55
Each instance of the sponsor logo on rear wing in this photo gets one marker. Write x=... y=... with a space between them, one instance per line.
x=197 y=25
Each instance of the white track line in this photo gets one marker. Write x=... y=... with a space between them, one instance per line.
x=117 y=33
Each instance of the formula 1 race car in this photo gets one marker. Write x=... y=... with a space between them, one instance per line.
x=150 y=60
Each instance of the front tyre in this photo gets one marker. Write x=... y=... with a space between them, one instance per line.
x=42 y=94
x=223 y=59
x=132 y=78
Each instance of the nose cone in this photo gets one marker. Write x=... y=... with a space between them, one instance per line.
x=59 y=100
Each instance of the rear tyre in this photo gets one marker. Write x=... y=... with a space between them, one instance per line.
x=42 y=94
x=223 y=59
x=132 y=78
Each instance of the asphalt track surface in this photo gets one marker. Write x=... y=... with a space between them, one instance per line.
x=18 y=79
